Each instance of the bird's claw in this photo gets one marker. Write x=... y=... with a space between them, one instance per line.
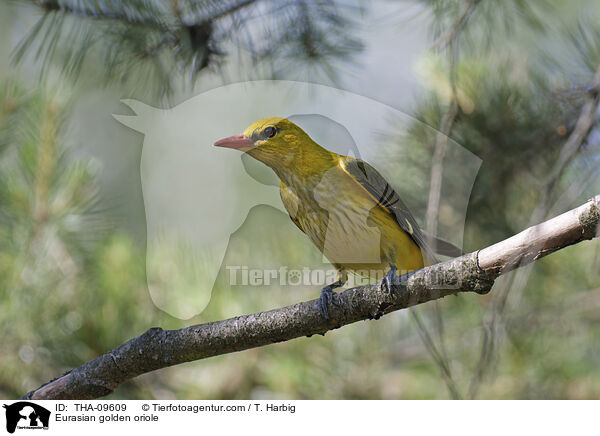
x=326 y=297
x=391 y=279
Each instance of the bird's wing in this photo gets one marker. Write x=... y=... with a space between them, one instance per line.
x=384 y=194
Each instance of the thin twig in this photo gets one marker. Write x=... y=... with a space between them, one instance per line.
x=442 y=361
x=433 y=206
x=452 y=33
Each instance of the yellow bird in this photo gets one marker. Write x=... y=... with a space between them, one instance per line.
x=346 y=208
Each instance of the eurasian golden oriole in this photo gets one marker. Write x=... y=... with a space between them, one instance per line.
x=346 y=208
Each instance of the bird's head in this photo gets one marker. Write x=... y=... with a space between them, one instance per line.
x=275 y=141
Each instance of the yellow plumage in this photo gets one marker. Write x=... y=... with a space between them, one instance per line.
x=342 y=204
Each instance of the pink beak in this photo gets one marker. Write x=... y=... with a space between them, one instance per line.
x=239 y=142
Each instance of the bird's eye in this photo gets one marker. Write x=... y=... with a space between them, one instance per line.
x=270 y=132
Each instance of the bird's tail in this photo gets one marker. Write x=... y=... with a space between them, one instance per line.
x=443 y=248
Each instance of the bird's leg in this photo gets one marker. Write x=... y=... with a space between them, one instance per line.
x=327 y=296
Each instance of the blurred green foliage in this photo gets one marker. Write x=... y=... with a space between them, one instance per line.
x=170 y=43
x=63 y=269
x=73 y=286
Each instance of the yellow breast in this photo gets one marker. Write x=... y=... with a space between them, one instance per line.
x=350 y=228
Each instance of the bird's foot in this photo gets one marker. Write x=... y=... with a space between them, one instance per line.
x=393 y=280
x=327 y=296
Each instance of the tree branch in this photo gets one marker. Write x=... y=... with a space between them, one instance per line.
x=474 y=272
x=128 y=17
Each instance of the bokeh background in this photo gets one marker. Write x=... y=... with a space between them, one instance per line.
x=516 y=83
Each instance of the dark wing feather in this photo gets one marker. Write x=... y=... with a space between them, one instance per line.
x=385 y=195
